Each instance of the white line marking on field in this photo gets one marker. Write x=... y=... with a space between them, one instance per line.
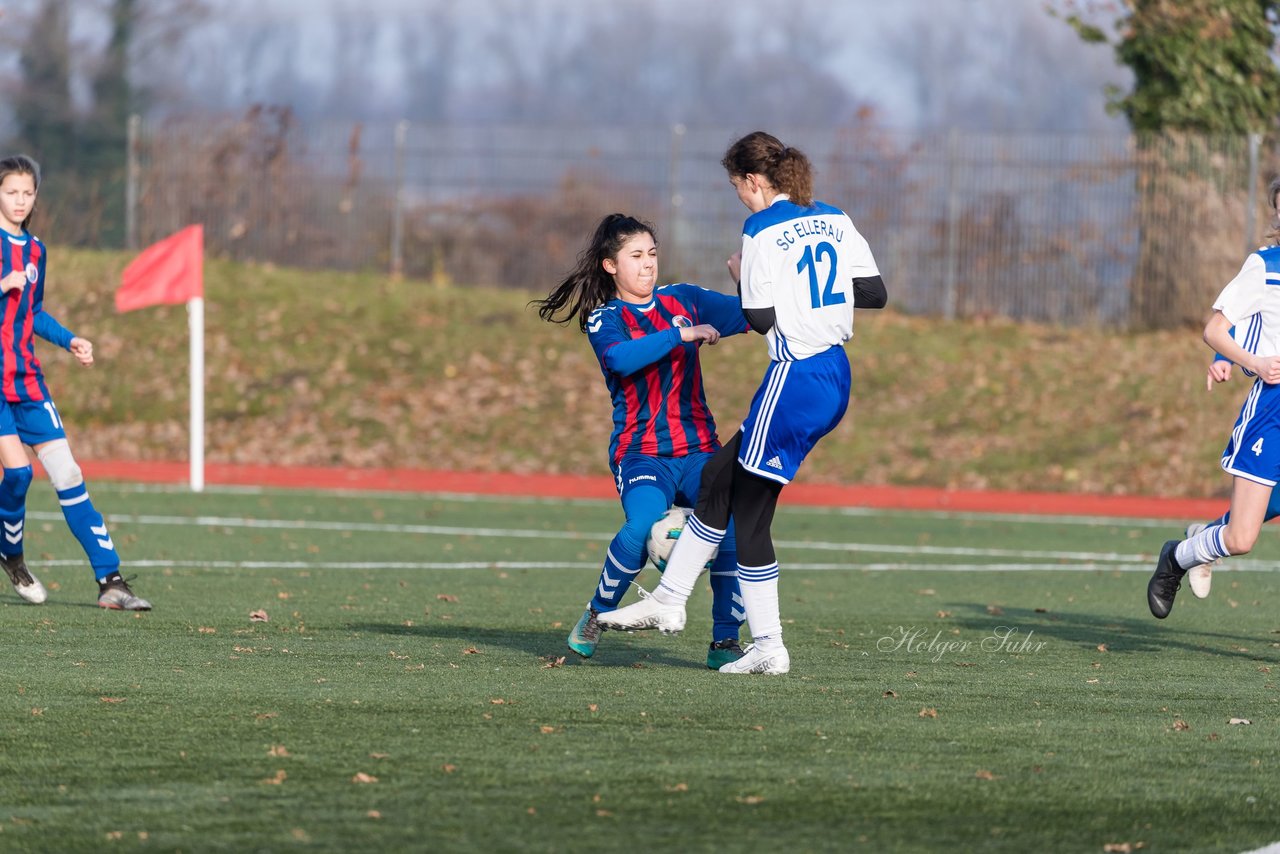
x=1143 y=558
x=1273 y=848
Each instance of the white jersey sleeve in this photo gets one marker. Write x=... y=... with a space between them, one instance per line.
x=1243 y=296
x=801 y=261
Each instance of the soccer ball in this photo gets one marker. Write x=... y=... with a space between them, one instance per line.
x=664 y=533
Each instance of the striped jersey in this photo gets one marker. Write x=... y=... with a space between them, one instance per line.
x=801 y=262
x=655 y=379
x=20 y=376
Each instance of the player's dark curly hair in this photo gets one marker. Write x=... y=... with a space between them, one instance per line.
x=588 y=287
x=21 y=164
x=787 y=168
x=1272 y=189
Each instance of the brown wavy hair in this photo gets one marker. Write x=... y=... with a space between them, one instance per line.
x=588 y=286
x=787 y=169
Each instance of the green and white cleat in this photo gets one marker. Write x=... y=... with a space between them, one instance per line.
x=586 y=634
x=723 y=652
x=24 y=583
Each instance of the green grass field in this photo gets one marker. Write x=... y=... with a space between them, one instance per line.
x=959 y=682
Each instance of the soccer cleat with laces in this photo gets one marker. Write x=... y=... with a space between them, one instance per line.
x=722 y=652
x=118 y=597
x=1200 y=577
x=586 y=634
x=1165 y=581
x=648 y=613
x=26 y=584
x=775 y=662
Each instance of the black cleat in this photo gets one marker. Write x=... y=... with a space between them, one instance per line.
x=1165 y=581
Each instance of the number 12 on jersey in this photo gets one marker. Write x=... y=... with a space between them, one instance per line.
x=812 y=256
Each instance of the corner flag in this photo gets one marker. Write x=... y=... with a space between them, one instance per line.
x=170 y=272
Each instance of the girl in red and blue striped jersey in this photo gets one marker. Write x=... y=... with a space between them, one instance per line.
x=646 y=339
x=27 y=413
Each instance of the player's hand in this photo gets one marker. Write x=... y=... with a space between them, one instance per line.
x=15 y=281
x=735 y=266
x=703 y=333
x=1268 y=369
x=82 y=349
x=1219 y=372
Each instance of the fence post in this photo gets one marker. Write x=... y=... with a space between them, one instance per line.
x=953 y=228
x=131 y=184
x=397 y=211
x=674 y=198
x=1250 y=200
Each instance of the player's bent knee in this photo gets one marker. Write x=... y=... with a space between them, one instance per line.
x=1238 y=542
x=61 y=466
x=17 y=480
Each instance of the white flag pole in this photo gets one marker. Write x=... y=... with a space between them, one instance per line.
x=195 y=319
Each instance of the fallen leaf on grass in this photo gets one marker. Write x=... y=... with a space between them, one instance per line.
x=984 y=774
x=592 y=707
x=112 y=699
x=547 y=730
x=1123 y=847
x=1180 y=725
x=362 y=777
x=551 y=661
x=1240 y=721
x=497 y=701
x=207 y=630
x=448 y=769
x=259 y=616
x=373 y=814
x=471 y=650
x=928 y=712
x=446 y=597
x=279 y=778
x=278 y=750
x=942 y=615
x=604 y=813
x=678 y=787
x=995 y=610
x=1102 y=647
x=891 y=694
x=750 y=799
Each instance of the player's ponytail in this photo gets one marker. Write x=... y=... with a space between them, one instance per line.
x=21 y=164
x=787 y=169
x=1273 y=189
x=588 y=286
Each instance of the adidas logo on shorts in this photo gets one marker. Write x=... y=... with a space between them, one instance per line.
x=775 y=463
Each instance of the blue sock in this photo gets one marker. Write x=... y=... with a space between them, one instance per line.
x=727 y=607
x=627 y=552
x=90 y=529
x=13 y=509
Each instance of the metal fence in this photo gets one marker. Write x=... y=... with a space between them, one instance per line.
x=1065 y=229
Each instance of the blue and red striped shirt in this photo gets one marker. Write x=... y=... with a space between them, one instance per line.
x=23 y=317
x=655 y=379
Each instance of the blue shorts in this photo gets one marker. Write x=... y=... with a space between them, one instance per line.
x=798 y=403
x=677 y=477
x=1248 y=455
x=34 y=422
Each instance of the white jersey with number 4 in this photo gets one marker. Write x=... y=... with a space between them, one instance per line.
x=801 y=262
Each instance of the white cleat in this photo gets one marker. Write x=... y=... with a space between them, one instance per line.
x=1200 y=577
x=775 y=662
x=26 y=584
x=648 y=613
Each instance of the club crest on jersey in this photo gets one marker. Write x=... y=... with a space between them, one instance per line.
x=681 y=322
x=33 y=273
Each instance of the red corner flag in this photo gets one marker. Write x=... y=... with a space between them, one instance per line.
x=171 y=271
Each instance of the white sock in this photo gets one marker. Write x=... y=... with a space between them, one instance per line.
x=1204 y=547
x=760 y=598
x=695 y=548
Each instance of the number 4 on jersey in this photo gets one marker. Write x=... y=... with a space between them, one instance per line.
x=810 y=260
x=1257 y=448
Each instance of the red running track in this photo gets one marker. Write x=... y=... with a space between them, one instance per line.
x=576 y=486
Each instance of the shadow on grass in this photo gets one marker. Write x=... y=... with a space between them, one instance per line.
x=546 y=645
x=1120 y=634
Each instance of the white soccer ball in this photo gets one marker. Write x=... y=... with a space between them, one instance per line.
x=664 y=533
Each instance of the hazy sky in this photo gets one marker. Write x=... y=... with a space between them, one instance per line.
x=1000 y=65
